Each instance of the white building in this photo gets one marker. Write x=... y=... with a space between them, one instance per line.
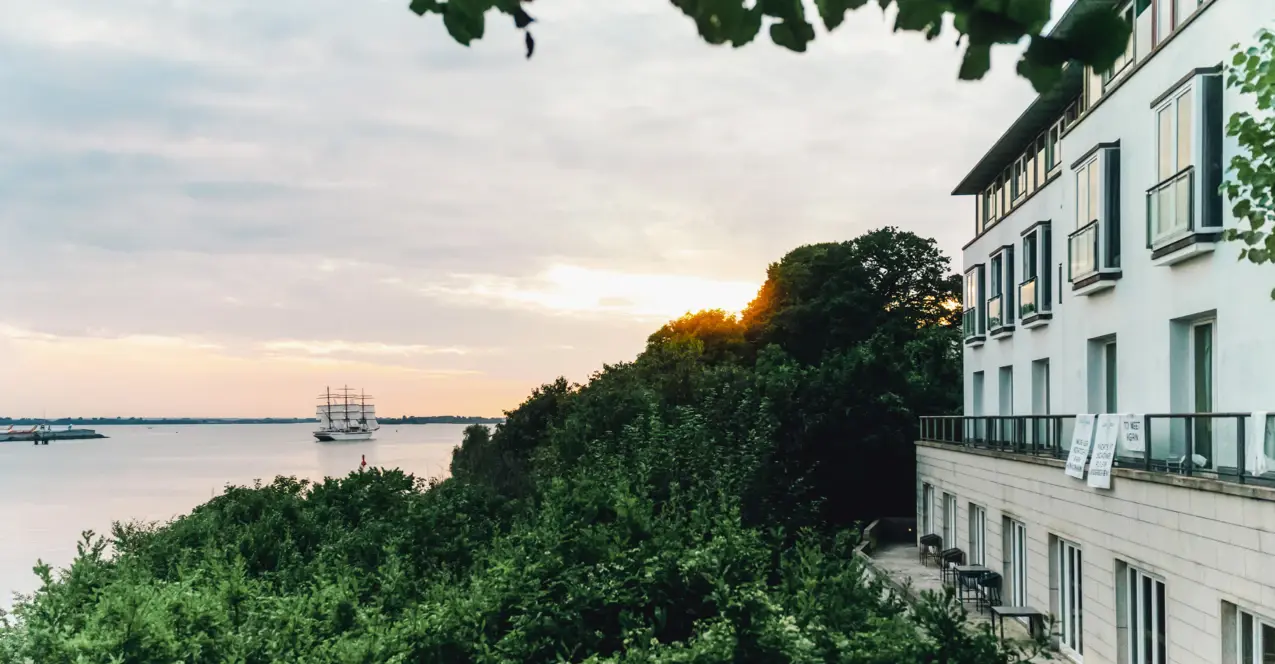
x=1096 y=283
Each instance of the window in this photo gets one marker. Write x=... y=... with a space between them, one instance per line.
x=978 y=535
x=974 y=323
x=949 y=519
x=1034 y=297
x=1124 y=59
x=1202 y=381
x=1006 y=392
x=1110 y=378
x=1094 y=246
x=1170 y=15
x=927 y=509
x=1140 y=622
x=1254 y=639
x=1069 y=595
x=1038 y=160
x=1016 y=561
x=1000 y=301
x=1171 y=206
x=1017 y=184
x=1053 y=149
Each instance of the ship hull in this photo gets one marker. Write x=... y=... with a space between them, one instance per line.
x=340 y=436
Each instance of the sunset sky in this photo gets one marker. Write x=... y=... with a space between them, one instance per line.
x=217 y=208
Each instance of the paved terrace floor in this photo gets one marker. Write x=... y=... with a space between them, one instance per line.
x=901 y=564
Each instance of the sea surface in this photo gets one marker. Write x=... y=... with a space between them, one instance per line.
x=50 y=494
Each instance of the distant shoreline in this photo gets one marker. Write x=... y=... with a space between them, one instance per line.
x=109 y=421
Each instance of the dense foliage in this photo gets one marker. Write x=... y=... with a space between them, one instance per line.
x=1096 y=38
x=1251 y=173
x=694 y=505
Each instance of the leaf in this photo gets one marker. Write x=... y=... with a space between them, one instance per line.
x=833 y=12
x=531 y=44
x=420 y=7
x=1043 y=77
x=977 y=60
x=1098 y=37
x=1238 y=59
x=521 y=18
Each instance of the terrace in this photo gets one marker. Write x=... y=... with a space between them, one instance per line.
x=1221 y=448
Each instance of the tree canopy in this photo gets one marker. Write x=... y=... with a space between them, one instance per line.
x=1097 y=37
x=695 y=505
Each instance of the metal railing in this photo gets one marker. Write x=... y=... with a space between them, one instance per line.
x=969 y=324
x=1082 y=251
x=1027 y=298
x=1170 y=207
x=1218 y=443
x=994 y=314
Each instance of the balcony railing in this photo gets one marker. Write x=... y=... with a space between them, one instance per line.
x=1170 y=208
x=994 y=318
x=1082 y=250
x=969 y=324
x=1218 y=442
x=1027 y=298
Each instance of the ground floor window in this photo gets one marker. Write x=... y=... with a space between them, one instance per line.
x=1141 y=600
x=949 y=520
x=927 y=507
x=978 y=535
x=1070 y=603
x=1254 y=639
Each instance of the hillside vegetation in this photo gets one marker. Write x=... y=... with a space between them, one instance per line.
x=695 y=505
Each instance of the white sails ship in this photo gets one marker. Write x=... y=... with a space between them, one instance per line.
x=345 y=415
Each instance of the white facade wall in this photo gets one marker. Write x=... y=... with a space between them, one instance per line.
x=1139 y=308
x=1208 y=542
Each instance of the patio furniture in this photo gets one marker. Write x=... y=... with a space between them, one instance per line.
x=989 y=591
x=1035 y=619
x=967 y=577
x=930 y=545
x=949 y=559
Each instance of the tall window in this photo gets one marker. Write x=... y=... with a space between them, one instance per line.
x=949 y=519
x=1110 y=378
x=1016 y=561
x=1254 y=640
x=1202 y=380
x=978 y=535
x=927 y=509
x=1070 y=594
x=1124 y=59
x=1171 y=205
x=1053 y=149
x=1087 y=193
x=1140 y=598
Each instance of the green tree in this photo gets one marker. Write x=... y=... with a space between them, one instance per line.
x=1251 y=173
x=1096 y=38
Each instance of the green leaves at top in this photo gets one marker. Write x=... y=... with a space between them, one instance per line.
x=977 y=60
x=1098 y=37
x=833 y=12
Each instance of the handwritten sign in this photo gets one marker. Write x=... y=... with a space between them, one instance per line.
x=1080 y=442
x=1131 y=433
x=1104 y=450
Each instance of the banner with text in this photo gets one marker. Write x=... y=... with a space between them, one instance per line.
x=1131 y=432
x=1104 y=450
x=1080 y=442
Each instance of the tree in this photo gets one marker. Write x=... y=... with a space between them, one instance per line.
x=1096 y=38
x=1251 y=173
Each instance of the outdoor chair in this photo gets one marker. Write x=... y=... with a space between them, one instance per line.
x=989 y=591
x=930 y=546
x=949 y=559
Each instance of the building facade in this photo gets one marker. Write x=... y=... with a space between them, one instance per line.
x=1096 y=282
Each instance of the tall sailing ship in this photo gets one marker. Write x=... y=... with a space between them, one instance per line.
x=345 y=415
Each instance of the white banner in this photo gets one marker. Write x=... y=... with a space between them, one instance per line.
x=1080 y=442
x=1104 y=450
x=1131 y=432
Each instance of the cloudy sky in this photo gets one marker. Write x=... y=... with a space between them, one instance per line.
x=217 y=208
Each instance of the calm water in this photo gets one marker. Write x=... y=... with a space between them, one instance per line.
x=49 y=494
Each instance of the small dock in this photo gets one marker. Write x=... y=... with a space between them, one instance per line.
x=43 y=436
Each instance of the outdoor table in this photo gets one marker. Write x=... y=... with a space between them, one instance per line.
x=968 y=572
x=1035 y=618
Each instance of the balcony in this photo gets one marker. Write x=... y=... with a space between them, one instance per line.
x=996 y=324
x=1218 y=441
x=1031 y=312
x=972 y=328
x=1087 y=275
x=1172 y=233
